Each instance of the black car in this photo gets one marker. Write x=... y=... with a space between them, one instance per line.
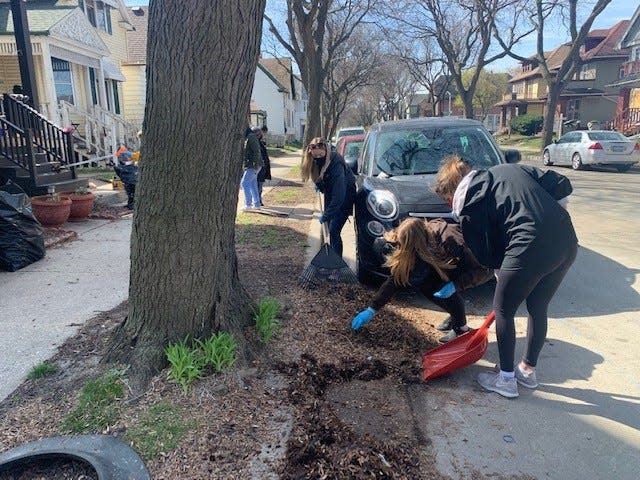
x=396 y=176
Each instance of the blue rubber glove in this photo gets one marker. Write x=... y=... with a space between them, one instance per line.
x=446 y=291
x=321 y=219
x=361 y=319
x=316 y=187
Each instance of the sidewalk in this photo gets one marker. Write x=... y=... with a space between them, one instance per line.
x=46 y=302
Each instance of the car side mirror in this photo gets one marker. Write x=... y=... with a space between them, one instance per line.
x=354 y=168
x=512 y=156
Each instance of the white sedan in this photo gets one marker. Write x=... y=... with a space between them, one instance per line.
x=592 y=147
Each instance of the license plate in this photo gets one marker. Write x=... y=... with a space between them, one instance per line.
x=617 y=148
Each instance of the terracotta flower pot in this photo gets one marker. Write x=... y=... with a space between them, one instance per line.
x=81 y=205
x=49 y=212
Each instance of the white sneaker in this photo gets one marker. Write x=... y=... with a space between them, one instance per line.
x=507 y=387
x=526 y=379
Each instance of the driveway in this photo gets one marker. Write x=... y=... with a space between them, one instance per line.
x=584 y=419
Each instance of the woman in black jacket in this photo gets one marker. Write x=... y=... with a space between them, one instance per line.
x=513 y=220
x=335 y=180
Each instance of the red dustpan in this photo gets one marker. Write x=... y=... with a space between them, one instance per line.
x=464 y=350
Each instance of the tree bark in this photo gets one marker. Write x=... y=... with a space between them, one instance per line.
x=201 y=66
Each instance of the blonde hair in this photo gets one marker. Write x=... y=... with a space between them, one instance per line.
x=308 y=167
x=452 y=171
x=413 y=238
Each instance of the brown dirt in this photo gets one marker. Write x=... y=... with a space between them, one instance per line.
x=320 y=402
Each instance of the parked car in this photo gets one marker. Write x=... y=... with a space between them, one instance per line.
x=396 y=176
x=350 y=147
x=343 y=132
x=592 y=147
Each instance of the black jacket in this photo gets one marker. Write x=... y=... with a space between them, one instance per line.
x=511 y=216
x=338 y=186
x=265 y=171
x=128 y=173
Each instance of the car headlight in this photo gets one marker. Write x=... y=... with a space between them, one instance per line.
x=382 y=204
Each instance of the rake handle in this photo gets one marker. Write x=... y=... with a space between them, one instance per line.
x=324 y=227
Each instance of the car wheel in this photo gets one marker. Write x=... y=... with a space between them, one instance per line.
x=546 y=158
x=576 y=162
x=623 y=168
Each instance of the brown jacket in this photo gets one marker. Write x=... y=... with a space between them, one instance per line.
x=467 y=272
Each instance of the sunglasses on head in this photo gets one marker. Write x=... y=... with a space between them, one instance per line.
x=316 y=145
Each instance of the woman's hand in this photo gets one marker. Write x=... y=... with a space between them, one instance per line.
x=446 y=291
x=361 y=319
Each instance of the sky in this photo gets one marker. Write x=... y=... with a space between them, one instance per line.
x=614 y=12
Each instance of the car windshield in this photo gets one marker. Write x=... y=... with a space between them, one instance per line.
x=604 y=136
x=421 y=151
x=352 y=149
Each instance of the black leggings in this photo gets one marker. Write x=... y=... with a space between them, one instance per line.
x=537 y=284
x=454 y=305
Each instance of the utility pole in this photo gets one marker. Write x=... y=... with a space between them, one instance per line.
x=25 y=55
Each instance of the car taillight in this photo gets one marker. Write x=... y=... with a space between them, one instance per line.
x=595 y=146
x=637 y=147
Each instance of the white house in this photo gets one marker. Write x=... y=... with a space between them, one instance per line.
x=280 y=95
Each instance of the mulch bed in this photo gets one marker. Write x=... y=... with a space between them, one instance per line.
x=109 y=212
x=313 y=405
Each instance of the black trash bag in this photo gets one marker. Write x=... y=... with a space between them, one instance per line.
x=21 y=236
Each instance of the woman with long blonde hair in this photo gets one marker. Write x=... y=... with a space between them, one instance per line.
x=331 y=176
x=427 y=255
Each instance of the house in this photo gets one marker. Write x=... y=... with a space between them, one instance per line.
x=588 y=97
x=134 y=67
x=78 y=47
x=279 y=93
x=627 y=118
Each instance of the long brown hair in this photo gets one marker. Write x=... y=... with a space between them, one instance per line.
x=308 y=167
x=413 y=238
x=452 y=171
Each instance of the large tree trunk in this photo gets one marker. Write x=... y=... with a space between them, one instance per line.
x=202 y=60
x=549 y=113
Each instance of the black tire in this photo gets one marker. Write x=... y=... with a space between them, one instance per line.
x=623 y=168
x=546 y=158
x=576 y=162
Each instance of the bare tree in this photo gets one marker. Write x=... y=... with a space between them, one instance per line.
x=184 y=278
x=354 y=67
x=306 y=37
x=557 y=76
x=463 y=30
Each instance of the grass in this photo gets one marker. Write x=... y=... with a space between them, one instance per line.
x=159 y=430
x=267 y=325
x=294 y=172
x=286 y=197
x=42 y=370
x=517 y=141
x=268 y=236
x=98 y=407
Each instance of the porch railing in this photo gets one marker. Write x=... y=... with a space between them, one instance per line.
x=628 y=121
x=46 y=138
x=90 y=131
x=16 y=145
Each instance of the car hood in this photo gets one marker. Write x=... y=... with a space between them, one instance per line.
x=415 y=193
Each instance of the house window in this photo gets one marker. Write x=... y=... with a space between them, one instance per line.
x=92 y=82
x=116 y=97
x=573 y=109
x=98 y=13
x=62 y=79
x=587 y=72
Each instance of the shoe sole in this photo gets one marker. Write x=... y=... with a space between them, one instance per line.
x=500 y=392
x=526 y=385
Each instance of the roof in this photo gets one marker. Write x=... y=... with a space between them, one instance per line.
x=279 y=69
x=554 y=60
x=632 y=33
x=41 y=16
x=137 y=39
x=608 y=46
